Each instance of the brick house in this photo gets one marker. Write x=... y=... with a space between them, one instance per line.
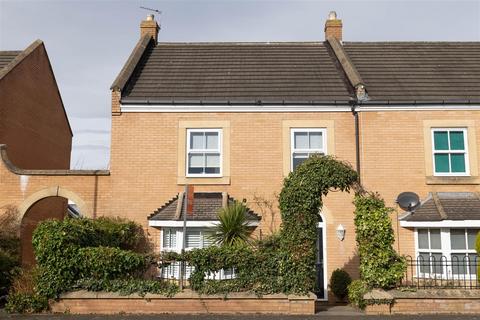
x=34 y=124
x=238 y=117
x=234 y=119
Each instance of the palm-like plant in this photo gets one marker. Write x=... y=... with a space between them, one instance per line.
x=232 y=228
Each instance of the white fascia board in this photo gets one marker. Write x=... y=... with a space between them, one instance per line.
x=179 y=223
x=441 y=224
x=226 y=108
x=418 y=108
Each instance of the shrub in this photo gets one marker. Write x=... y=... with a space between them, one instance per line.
x=128 y=286
x=73 y=249
x=300 y=203
x=356 y=291
x=232 y=228
x=339 y=282
x=26 y=303
x=380 y=264
x=9 y=246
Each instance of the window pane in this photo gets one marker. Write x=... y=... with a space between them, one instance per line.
x=197 y=140
x=437 y=263
x=213 y=160
x=473 y=261
x=301 y=140
x=196 y=163
x=193 y=239
x=316 y=141
x=212 y=140
x=212 y=163
x=424 y=262
x=472 y=235
x=299 y=158
x=457 y=239
x=456 y=140
x=441 y=163
x=459 y=263
x=435 y=242
x=440 y=139
x=423 y=239
x=458 y=162
x=169 y=238
x=207 y=240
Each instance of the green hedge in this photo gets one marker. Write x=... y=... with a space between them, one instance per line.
x=380 y=265
x=73 y=249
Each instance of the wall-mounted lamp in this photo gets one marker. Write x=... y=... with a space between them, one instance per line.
x=340 y=232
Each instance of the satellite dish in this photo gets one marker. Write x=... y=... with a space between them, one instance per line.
x=408 y=201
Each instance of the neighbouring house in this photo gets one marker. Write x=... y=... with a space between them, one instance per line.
x=34 y=125
x=233 y=119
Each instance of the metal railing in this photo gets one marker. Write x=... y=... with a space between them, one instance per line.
x=441 y=272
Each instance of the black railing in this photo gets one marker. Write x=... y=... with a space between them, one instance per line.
x=437 y=271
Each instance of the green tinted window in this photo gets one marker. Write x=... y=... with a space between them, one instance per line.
x=440 y=140
x=458 y=162
x=456 y=140
x=442 y=163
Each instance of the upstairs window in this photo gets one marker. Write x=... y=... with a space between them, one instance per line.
x=305 y=142
x=204 y=152
x=450 y=157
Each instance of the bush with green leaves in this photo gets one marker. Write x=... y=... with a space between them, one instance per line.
x=300 y=204
x=26 y=303
x=72 y=249
x=356 y=291
x=9 y=247
x=339 y=282
x=380 y=265
x=232 y=227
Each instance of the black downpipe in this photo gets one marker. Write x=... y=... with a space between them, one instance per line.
x=357 y=140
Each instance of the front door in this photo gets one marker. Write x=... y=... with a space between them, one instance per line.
x=320 y=288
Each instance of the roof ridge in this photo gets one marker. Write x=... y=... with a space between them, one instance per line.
x=240 y=42
x=439 y=206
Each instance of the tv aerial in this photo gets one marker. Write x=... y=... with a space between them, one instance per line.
x=150 y=9
x=408 y=201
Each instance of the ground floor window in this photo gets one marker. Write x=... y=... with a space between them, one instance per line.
x=446 y=252
x=196 y=238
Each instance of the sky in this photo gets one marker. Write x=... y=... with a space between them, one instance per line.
x=88 y=41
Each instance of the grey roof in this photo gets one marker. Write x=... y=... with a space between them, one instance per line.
x=448 y=206
x=418 y=71
x=236 y=72
x=206 y=207
x=304 y=73
x=6 y=57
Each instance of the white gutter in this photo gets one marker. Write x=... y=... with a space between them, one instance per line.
x=289 y=108
x=232 y=108
x=441 y=224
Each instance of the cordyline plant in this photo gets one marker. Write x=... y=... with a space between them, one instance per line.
x=232 y=228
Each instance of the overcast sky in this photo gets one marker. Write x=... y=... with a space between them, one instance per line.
x=89 y=41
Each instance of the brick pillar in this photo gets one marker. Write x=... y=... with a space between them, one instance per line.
x=333 y=27
x=116 y=94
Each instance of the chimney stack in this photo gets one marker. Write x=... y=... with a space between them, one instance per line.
x=150 y=27
x=333 y=26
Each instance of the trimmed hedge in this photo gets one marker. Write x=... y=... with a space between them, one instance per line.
x=74 y=249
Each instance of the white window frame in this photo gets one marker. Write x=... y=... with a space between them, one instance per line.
x=465 y=152
x=202 y=151
x=446 y=251
x=309 y=151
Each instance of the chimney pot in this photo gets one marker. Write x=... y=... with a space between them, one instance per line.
x=333 y=26
x=150 y=17
x=332 y=15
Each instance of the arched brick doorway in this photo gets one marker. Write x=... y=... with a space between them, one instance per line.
x=50 y=203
